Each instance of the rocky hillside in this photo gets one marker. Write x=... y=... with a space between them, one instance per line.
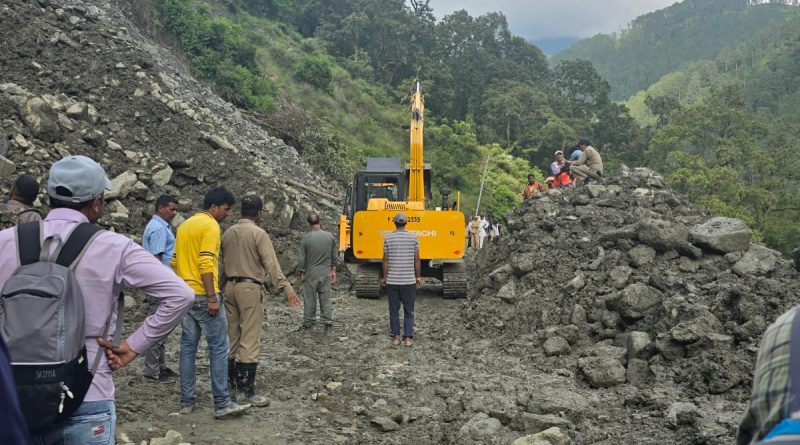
x=654 y=309
x=79 y=78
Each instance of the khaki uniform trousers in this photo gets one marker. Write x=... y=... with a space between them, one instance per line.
x=473 y=239
x=245 y=313
x=582 y=171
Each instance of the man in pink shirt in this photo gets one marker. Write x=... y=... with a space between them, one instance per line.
x=111 y=263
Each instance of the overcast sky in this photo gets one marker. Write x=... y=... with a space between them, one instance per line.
x=538 y=19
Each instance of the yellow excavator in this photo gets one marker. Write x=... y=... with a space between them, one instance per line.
x=385 y=188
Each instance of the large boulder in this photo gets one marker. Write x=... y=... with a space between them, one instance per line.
x=662 y=235
x=7 y=168
x=122 y=185
x=690 y=331
x=758 y=260
x=721 y=234
x=480 y=429
x=637 y=299
x=41 y=119
x=551 y=436
x=602 y=371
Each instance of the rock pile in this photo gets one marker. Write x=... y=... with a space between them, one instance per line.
x=639 y=296
x=79 y=78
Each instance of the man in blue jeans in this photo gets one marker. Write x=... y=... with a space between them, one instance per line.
x=196 y=260
x=111 y=262
x=401 y=276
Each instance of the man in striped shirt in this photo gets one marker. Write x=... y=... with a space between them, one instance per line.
x=401 y=276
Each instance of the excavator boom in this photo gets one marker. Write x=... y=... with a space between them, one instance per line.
x=416 y=180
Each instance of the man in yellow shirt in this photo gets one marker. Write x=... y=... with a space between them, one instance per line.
x=196 y=260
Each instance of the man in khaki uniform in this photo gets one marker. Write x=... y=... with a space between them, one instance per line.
x=474 y=229
x=248 y=257
x=588 y=165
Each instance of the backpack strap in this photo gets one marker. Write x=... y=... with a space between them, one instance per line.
x=29 y=242
x=117 y=332
x=72 y=250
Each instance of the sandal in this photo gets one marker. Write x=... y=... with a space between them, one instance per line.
x=397 y=340
x=408 y=341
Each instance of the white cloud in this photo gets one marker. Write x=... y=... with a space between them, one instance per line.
x=536 y=19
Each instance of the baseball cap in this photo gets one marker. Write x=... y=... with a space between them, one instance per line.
x=400 y=218
x=77 y=179
x=558 y=152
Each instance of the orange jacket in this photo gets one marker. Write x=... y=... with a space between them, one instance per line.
x=531 y=190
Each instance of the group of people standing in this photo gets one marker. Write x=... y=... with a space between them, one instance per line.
x=208 y=281
x=481 y=227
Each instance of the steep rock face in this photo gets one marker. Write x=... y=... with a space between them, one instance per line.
x=80 y=78
x=661 y=296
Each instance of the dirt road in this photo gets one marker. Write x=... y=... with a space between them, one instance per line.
x=327 y=387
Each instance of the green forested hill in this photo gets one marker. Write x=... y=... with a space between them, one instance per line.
x=767 y=69
x=330 y=77
x=663 y=41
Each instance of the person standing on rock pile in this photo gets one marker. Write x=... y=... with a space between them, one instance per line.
x=588 y=165
x=159 y=240
x=532 y=188
x=775 y=400
x=19 y=208
x=317 y=267
x=196 y=260
x=248 y=257
x=401 y=277
x=108 y=263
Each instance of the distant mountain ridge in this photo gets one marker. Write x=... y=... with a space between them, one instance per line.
x=663 y=41
x=554 y=45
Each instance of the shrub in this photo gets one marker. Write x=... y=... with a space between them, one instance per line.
x=316 y=71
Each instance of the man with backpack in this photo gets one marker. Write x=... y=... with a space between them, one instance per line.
x=19 y=208
x=56 y=343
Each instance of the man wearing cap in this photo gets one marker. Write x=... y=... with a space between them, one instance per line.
x=19 y=208
x=560 y=170
x=110 y=263
x=248 y=259
x=317 y=267
x=401 y=277
x=474 y=228
x=196 y=260
x=588 y=165
x=159 y=240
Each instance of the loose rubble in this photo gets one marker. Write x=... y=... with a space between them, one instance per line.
x=657 y=295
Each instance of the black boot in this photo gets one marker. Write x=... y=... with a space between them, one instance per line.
x=246 y=381
x=232 y=373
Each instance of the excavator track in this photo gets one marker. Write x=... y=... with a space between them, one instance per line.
x=367 y=281
x=454 y=280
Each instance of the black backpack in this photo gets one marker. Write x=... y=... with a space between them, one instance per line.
x=42 y=322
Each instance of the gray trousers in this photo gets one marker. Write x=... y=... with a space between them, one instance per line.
x=154 y=357
x=317 y=285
